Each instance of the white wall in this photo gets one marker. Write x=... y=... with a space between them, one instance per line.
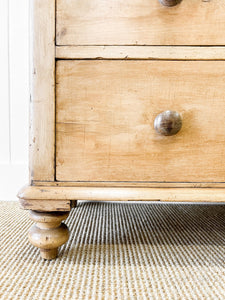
x=14 y=96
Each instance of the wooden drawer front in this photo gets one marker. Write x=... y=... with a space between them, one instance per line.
x=140 y=22
x=105 y=114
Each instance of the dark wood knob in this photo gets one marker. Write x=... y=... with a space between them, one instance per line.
x=169 y=2
x=168 y=123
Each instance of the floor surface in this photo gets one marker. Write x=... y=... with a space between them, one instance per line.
x=119 y=251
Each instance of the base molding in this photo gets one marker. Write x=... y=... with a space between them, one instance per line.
x=46 y=205
x=29 y=194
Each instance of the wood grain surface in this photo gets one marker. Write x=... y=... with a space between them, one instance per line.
x=122 y=194
x=46 y=205
x=140 y=22
x=42 y=97
x=105 y=115
x=48 y=233
x=141 y=52
x=138 y=184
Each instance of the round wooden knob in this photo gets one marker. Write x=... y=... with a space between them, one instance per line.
x=169 y=2
x=168 y=123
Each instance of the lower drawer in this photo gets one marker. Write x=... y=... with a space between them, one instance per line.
x=105 y=112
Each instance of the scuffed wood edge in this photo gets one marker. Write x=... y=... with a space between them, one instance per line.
x=130 y=184
x=123 y=194
x=46 y=205
x=141 y=52
x=42 y=88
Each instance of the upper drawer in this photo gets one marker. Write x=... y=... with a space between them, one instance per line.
x=140 y=22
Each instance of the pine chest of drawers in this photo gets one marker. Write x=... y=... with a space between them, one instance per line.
x=127 y=103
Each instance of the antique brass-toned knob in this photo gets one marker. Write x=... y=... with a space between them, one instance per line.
x=168 y=123
x=169 y=2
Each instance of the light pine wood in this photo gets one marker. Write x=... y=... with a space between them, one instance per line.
x=124 y=194
x=47 y=205
x=146 y=184
x=48 y=233
x=42 y=98
x=140 y=52
x=105 y=116
x=140 y=22
x=119 y=64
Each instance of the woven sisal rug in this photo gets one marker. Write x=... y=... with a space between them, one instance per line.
x=119 y=251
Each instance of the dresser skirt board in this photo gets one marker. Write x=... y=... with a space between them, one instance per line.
x=127 y=104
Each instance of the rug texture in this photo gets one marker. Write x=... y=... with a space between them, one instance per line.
x=119 y=251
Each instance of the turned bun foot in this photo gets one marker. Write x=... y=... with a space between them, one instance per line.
x=48 y=233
